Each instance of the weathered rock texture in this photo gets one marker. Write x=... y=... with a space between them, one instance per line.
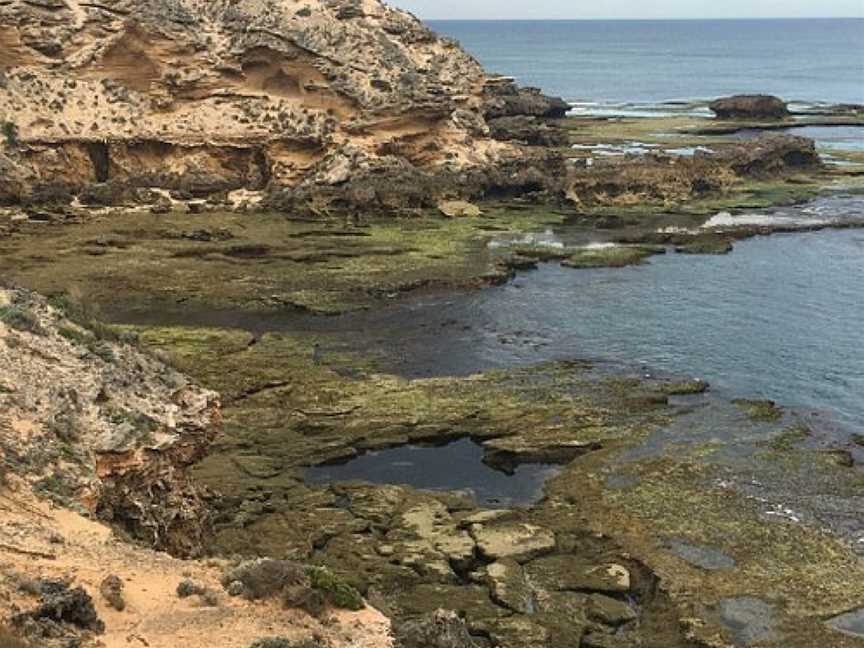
x=90 y=420
x=210 y=96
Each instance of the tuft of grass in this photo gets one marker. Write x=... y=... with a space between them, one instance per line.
x=21 y=319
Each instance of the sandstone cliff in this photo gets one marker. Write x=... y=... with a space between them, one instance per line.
x=206 y=96
x=92 y=422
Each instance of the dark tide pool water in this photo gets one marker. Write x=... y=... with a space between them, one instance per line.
x=456 y=466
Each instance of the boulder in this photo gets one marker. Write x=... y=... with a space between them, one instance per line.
x=505 y=99
x=458 y=208
x=516 y=540
x=749 y=107
x=509 y=587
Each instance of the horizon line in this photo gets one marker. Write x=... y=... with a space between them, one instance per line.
x=683 y=19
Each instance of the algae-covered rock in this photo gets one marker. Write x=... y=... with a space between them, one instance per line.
x=438 y=629
x=610 y=611
x=509 y=587
x=611 y=256
x=459 y=208
x=571 y=572
x=761 y=411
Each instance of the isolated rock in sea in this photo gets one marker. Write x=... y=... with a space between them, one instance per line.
x=749 y=107
x=207 y=97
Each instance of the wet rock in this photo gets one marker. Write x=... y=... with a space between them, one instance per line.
x=617 y=256
x=760 y=411
x=111 y=590
x=439 y=629
x=610 y=611
x=749 y=620
x=851 y=623
x=702 y=556
x=549 y=447
x=516 y=540
x=749 y=107
x=508 y=586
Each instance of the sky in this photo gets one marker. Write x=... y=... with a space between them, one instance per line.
x=491 y=9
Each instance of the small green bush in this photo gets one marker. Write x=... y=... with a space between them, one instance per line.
x=10 y=132
x=337 y=591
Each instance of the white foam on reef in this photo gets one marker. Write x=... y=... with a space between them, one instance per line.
x=726 y=219
x=689 y=151
x=639 y=109
x=599 y=246
x=610 y=150
x=546 y=239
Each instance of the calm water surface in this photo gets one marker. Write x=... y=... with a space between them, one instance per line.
x=636 y=66
x=781 y=318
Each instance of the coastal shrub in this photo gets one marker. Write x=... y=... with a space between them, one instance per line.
x=86 y=316
x=337 y=591
x=21 y=319
x=264 y=578
x=10 y=133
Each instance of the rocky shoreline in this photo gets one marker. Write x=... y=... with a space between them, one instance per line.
x=209 y=179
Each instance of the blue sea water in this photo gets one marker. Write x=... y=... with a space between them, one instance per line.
x=640 y=65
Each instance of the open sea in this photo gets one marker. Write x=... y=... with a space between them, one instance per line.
x=650 y=66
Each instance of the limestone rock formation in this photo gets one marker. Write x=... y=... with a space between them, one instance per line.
x=749 y=107
x=89 y=420
x=207 y=96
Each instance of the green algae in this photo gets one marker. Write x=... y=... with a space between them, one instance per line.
x=760 y=411
x=617 y=256
x=268 y=262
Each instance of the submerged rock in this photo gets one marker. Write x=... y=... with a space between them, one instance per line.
x=749 y=107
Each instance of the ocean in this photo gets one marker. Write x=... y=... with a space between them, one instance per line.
x=649 y=67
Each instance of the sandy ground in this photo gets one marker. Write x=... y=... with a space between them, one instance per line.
x=38 y=540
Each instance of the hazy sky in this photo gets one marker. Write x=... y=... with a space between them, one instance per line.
x=441 y=9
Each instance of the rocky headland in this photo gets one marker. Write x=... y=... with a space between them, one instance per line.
x=209 y=178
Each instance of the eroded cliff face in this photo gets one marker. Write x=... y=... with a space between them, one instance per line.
x=91 y=421
x=209 y=96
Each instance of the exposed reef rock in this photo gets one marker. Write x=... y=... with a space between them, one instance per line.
x=90 y=420
x=660 y=178
x=749 y=107
x=204 y=97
